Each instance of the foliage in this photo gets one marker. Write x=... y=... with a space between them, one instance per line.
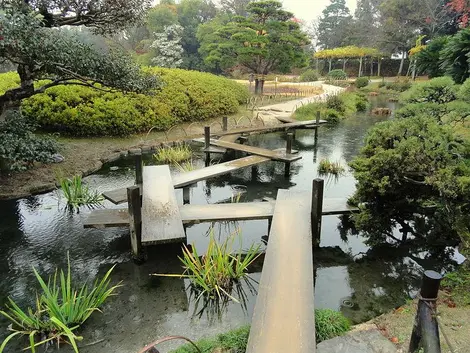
x=60 y=56
x=334 y=24
x=82 y=111
x=407 y=165
x=398 y=85
x=168 y=48
x=20 y=148
x=60 y=309
x=458 y=284
x=362 y=82
x=185 y=166
x=309 y=76
x=328 y=167
x=77 y=193
x=330 y=324
x=438 y=90
x=173 y=155
x=428 y=60
x=464 y=91
x=337 y=75
x=234 y=341
x=214 y=274
x=455 y=56
x=265 y=41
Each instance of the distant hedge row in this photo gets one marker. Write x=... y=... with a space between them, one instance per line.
x=83 y=111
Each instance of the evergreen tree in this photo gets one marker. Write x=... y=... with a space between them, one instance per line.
x=334 y=25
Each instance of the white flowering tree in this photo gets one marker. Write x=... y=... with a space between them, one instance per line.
x=168 y=48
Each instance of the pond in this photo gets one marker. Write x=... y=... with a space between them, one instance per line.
x=360 y=281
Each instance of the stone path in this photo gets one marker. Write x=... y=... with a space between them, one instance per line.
x=269 y=113
x=368 y=341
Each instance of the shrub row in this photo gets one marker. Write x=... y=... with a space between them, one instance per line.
x=82 y=111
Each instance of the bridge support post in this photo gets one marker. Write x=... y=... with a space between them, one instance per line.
x=138 y=169
x=317 y=123
x=317 y=209
x=186 y=195
x=426 y=330
x=224 y=123
x=290 y=138
x=135 y=221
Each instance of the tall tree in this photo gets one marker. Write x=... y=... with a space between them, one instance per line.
x=237 y=7
x=334 y=25
x=366 y=26
x=167 y=44
x=266 y=41
x=28 y=40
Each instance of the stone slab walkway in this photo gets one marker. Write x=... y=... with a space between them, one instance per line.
x=369 y=341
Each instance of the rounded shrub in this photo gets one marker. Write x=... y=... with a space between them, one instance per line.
x=331 y=116
x=438 y=90
x=330 y=324
x=309 y=76
x=82 y=111
x=362 y=82
x=337 y=75
x=336 y=103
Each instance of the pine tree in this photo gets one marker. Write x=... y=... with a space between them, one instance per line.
x=334 y=25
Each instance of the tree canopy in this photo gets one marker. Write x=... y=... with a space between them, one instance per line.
x=334 y=25
x=265 y=41
x=60 y=57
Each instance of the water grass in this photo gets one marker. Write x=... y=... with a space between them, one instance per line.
x=214 y=274
x=60 y=310
x=173 y=155
x=330 y=324
x=78 y=193
x=186 y=166
x=329 y=167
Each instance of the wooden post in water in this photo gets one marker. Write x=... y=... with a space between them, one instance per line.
x=317 y=209
x=138 y=169
x=290 y=137
x=207 y=137
x=186 y=196
x=317 y=123
x=135 y=221
x=426 y=330
x=224 y=123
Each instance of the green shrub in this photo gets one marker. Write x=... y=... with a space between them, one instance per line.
x=328 y=167
x=425 y=109
x=336 y=103
x=309 y=76
x=331 y=116
x=362 y=82
x=362 y=102
x=20 y=148
x=330 y=324
x=382 y=84
x=399 y=86
x=438 y=90
x=464 y=91
x=83 y=111
x=337 y=75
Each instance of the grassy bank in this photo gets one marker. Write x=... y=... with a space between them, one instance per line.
x=335 y=108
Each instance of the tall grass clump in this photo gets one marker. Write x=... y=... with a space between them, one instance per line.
x=77 y=193
x=186 y=166
x=329 y=167
x=330 y=324
x=60 y=310
x=173 y=155
x=214 y=274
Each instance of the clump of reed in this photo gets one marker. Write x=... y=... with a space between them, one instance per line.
x=214 y=273
x=59 y=311
x=173 y=155
x=78 y=193
x=329 y=167
x=185 y=166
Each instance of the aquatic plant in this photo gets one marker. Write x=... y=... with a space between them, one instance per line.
x=60 y=310
x=214 y=273
x=330 y=324
x=78 y=193
x=328 y=167
x=185 y=166
x=173 y=155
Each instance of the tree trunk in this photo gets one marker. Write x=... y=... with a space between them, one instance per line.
x=402 y=63
x=257 y=85
x=372 y=66
x=11 y=99
x=360 y=68
x=261 y=88
x=329 y=67
x=317 y=65
x=379 y=66
x=344 y=65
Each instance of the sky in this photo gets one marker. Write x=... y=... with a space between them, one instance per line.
x=309 y=10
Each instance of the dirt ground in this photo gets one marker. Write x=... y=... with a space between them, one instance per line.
x=454 y=322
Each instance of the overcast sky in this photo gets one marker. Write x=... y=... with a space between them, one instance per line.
x=309 y=10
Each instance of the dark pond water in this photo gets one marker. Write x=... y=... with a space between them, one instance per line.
x=360 y=281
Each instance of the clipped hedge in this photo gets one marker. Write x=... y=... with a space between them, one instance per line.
x=82 y=111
